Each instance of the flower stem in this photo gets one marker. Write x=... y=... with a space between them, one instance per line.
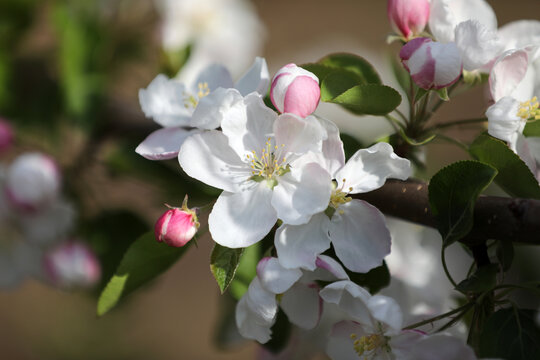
x=456 y=123
x=462 y=308
x=443 y=260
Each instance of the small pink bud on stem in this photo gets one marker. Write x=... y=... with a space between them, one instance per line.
x=432 y=65
x=295 y=90
x=177 y=226
x=408 y=17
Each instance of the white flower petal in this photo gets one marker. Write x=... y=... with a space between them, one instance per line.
x=256 y=313
x=208 y=157
x=332 y=148
x=350 y=298
x=298 y=136
x=302 y=305
x=534 y=146
x=298 y=246
x=163 y=100
x=340 y=346
x=387 y=311
x=507 y=72
x=503 y=122
x=215 y=76
x=521 y=33
x=274 y=277
x=164 y=143
x=441 y=347
x=329 y=269
x=402 y=344
x=261 y=301
x=241 y=219
x=257 y=78
x=477 y=44
x=212 y=108
x=360 y=236
x=301 y=193
x=248 y=125
x=445 y=15
x=369 y=168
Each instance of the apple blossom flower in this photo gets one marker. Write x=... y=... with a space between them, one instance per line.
x=356 y=229
x=432 y=65
x=6 y=135
x=446 y=15
x=294 y=290
x=225 y=31
x=32 y=181
x=184 y=110
x=295 y=90
x=479 y=46
x=508 y=116
x=371 y=328
x=408 y=17
x=72 y=264
x=256 y=161
x=177 y=226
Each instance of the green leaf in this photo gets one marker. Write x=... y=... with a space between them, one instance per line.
x=336 y=83
x=452 y=194
x=374 y=280
x=483 y=279
x=246 y=271
x=532 y=129
x=354 y=64
x=511 y=334
x=420 y=93
x=402 y=76
x=369 y=99
x=443 y=94
x=513 y=176
x=144 y=261
x=223 y=264
x=110 y=234
x=321 y=71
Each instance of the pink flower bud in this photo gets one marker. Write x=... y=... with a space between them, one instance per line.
x=33 y=180
x=72 y=264
x=295 y=90
x=6 y=135
x=408 y=17
x=177 y=226
x=432 y=65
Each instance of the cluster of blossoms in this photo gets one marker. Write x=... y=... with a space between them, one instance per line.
x=288 y=170
x=283 y=172
x=35 y=223
x=465 y=38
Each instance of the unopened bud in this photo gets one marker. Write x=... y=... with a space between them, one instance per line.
x=33 y=180
x=432 y=65
x=177 y=226
x=6 y=135
x=295 y=90
x=408 y=17
x=72 y=264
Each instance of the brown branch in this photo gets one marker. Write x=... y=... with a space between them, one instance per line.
x=497 y=218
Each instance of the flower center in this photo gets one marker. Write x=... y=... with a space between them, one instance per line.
x=191 y=101
x=368 y=346
x=269 y=165
x=529 y=110
x=337 y=198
